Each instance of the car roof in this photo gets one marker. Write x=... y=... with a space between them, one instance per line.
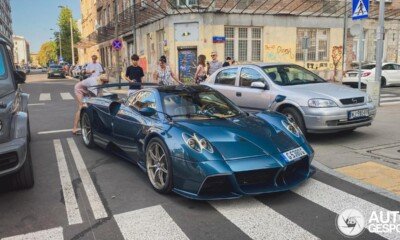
x=261 y=64
x=182 y=88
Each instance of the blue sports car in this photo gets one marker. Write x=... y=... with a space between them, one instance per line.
x=195 y=142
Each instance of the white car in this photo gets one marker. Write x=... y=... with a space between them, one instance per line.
x=390 y=75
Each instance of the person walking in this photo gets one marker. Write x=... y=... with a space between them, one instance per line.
x=94 y=68
x=134 y=74
x=163 y=74
x=214 y=64
x=201 y=72
x=84 y=89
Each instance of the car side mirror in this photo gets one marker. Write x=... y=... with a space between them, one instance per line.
x=259 y=85
x=147 y=111
x=19 y=76
x=280 y=98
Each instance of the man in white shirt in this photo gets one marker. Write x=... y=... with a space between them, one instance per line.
x=94 y=68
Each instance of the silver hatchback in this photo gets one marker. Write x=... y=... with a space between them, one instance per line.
x=314 y=104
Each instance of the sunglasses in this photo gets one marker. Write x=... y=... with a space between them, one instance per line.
x=213 y=55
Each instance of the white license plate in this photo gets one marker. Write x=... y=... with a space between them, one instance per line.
x=358 y=114
x=294 y=154
x=56 y=74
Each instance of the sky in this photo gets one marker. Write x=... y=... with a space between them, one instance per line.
x=33 y=19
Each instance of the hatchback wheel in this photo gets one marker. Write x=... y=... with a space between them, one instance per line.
x=87 y=131
x=158 y=165
x=295 y=115
x=383 y=82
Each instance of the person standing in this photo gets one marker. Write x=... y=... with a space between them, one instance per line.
x=85 y=89
x=134 y=74
x=164 y=75
x=94 y=68
x=201 y=73
x=214 y=64
x=228 y=62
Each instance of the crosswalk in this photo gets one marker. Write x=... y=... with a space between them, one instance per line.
x=47 y=96
x=255 y=217
x=389 y=99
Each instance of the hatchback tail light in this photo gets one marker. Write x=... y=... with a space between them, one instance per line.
x=366 y=74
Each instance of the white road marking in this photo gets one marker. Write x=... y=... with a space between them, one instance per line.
x=389 y=103
x=390 y=99
x=71 y=205
x=387 y=95
x=50 y=234
x=66 y=96
x=336 y=201
x=94 y=199
x=55 y=131
x=45 y=97
x=35 y=104
x=259 y=221
x=148 y=223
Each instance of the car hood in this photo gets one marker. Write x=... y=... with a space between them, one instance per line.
x=241 y=137
x=325 y=90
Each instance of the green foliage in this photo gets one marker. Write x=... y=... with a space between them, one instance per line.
x=47 y=53
x=64 y=21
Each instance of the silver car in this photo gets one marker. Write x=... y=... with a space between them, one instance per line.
x=314 y=104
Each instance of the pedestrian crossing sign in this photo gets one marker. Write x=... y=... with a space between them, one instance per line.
x=360 y=9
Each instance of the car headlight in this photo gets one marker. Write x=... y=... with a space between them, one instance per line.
x=197 y=144
x=321 y=103
x=369 y=98
x=292 y=127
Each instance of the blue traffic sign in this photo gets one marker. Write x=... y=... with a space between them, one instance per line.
x=360 y=9
x=117 y=44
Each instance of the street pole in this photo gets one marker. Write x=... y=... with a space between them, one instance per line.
x=344 y=57
x=379 y=48
x=59 y=38
x=117 y=72
x=134 y=29
x=72 y=43
x=360 y=44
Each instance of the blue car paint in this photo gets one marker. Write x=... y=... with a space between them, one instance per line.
x=241 y=144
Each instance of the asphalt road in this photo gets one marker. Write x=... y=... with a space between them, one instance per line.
x=83 y=193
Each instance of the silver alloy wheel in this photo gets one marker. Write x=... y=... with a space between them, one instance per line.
x=86 y=129
x=290 y=117
x=156 y=164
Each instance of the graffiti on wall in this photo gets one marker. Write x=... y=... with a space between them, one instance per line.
x=187 y=63
x=337 y=53
x=278 y=53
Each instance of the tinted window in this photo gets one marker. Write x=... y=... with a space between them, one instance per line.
x=143 y=99
x=397 y=67
x=2 y=65
x=226 y=77
x=248 y=76
x=291 y=75
x=369 y=66
x=388 y=67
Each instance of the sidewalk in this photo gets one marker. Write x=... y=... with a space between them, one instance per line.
x=369 y=154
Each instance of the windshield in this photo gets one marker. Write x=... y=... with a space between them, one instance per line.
x=286 y=75
x=6 y=85
x=369 y=66
x=55 y=67
x=197 y=105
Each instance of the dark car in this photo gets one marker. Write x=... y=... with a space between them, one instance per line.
x=83 y=75
x=55 y=71
x=195 y=142
x=15 y=159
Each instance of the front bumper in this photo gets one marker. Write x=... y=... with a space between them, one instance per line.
x=12 y=156
x=237 y=178
x=328 y=120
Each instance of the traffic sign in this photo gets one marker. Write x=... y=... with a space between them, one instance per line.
x=360 y=9
x=117 y=44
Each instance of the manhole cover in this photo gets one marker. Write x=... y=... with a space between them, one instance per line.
x=392 y=152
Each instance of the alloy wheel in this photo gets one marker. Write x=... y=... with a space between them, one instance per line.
x=86 y=129
x=156 y=164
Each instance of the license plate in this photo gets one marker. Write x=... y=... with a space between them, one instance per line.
x=352 y=74
x=361 y=113
x=56 y=74
x=294 y=154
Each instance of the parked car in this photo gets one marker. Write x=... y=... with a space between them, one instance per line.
x=83 y=75
x=15 y=157
x=55 y=71
x=390 y=75
x=314 y=104
x=76 y=71
x=195 y=142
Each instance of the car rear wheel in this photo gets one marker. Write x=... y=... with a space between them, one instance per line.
x=383 y=82
x=158 y=165
x=87 y=131
x=295 y=115
x=24 y=177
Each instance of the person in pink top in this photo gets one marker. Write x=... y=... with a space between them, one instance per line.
x=85 y=89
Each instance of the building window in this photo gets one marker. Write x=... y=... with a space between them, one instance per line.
x=243 y=43
x=183 y=3
x=318 y=44
x=358 y=54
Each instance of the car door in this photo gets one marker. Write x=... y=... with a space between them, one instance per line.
x=129 y=124
x=226 y=82
x=397 y=73
x=389 y=72
x=248 y=97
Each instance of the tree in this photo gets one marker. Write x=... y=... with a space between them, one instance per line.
x=64 y=21
x=47 y=53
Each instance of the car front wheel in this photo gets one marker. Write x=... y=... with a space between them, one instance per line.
x=158 y=165
x=293 y=114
